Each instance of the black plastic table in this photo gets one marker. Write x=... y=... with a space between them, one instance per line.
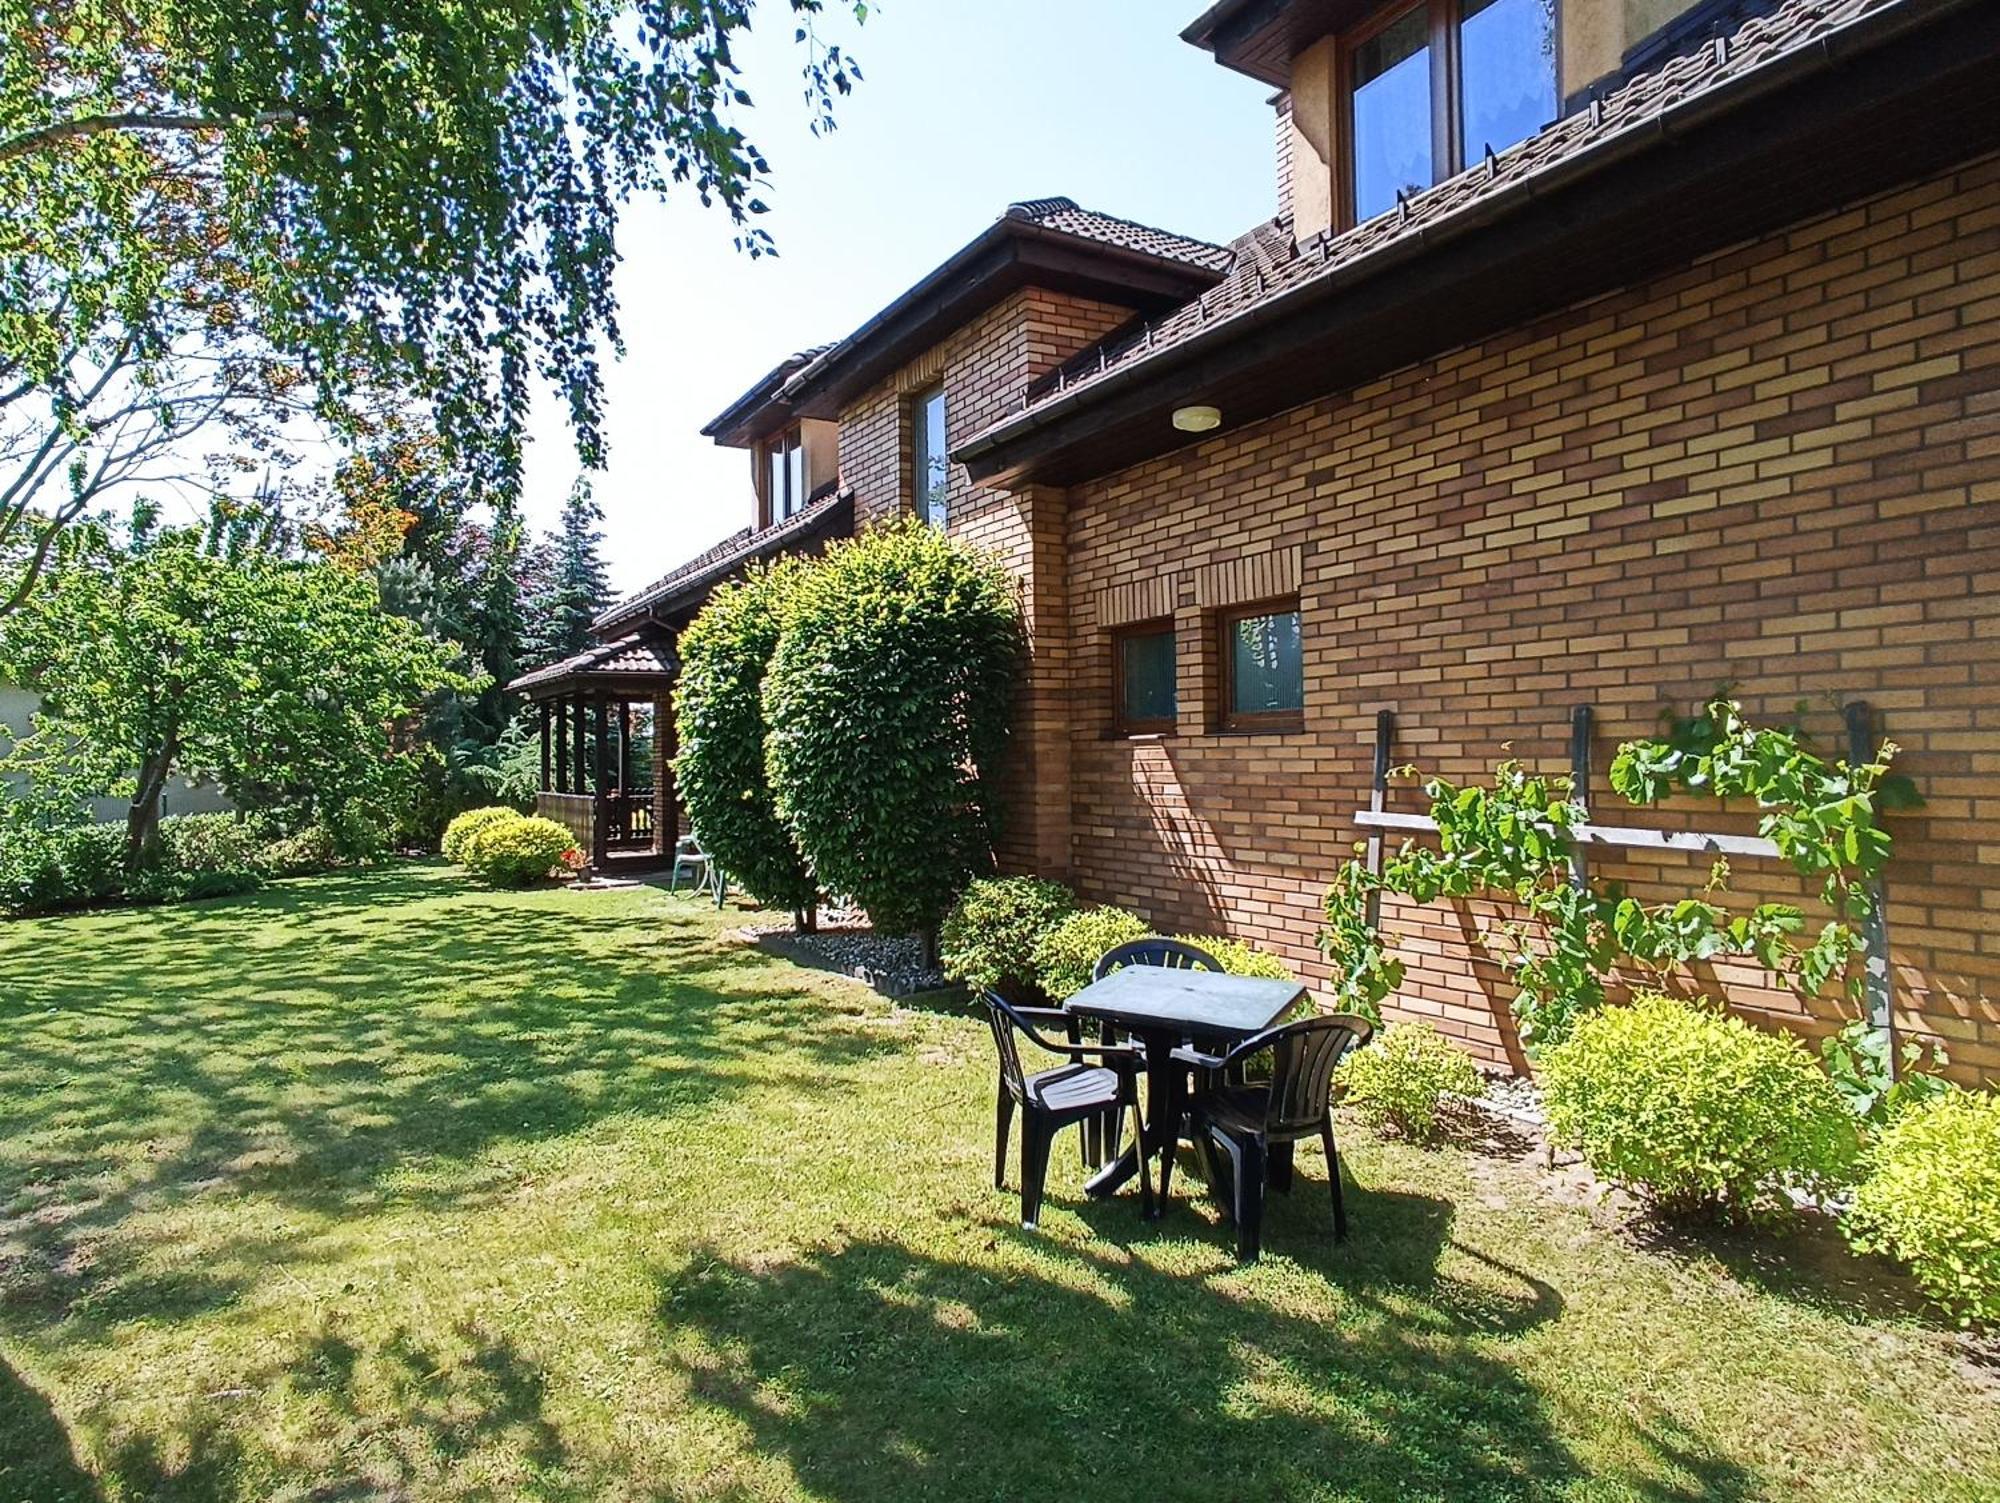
x=1165 y=1008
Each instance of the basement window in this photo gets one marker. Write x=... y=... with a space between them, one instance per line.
x=1435 y=84
x=1263 y=667
x=1143 y=669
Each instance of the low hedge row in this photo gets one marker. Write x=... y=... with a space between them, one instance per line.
x=503 y=847
x=48 y=866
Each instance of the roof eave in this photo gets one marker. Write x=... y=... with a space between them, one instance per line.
x=1009 y=451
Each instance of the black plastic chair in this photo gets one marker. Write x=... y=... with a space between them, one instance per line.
x=1052 y=1099
x=1245 y=1132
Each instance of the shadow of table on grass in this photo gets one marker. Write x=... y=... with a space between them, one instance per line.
x=881 y=1372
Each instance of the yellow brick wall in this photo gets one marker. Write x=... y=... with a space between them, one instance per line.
x=1778 y=469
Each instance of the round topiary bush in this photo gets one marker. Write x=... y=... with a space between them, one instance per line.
x=470 y=823
x=719 y=715
x=520 y=850
x=1404 y=1078
x=887 y=704
x=1931 y=1197
x=1695 y=1110
x=989 y=937
x=1067 y=953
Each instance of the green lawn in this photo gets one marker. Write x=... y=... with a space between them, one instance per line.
x=380 y=1187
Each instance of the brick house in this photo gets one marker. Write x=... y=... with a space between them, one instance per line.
x=1598 y=355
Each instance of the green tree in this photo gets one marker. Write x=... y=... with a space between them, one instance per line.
x=887 y=703
x=578 y=587
x=177 y=652
x=719 y=712
x=209 y=210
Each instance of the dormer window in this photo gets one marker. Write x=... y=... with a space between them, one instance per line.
x=1434 y=84
x=785 y=475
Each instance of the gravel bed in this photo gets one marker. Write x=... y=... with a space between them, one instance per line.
x=891 y=963
x=1515 y=1096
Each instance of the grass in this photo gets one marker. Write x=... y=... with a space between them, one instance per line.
x=379 y=1187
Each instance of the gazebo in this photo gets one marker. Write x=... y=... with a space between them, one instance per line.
x=599 y=711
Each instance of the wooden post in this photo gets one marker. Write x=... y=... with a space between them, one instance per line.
x=543 y=709
x=624 y=746
x=579 y=765
x=1579 y=772
x=1378 y=800
x=561 y=709
x=1878 y=983
x=600 y=823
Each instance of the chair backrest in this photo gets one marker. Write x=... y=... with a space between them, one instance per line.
x=1303 y=1055
x=1004 y=1022
x=1171 y=953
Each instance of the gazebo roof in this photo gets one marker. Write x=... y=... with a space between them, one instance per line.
x=638 y=665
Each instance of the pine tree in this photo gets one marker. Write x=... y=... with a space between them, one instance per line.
x=560 y=615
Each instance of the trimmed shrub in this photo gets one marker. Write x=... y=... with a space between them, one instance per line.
x=1239 y=959
x=887 y=704
x=719 y=715
x=989 y=937
x=208 y=845
x=458 y=834
x=1697 y=1111
x=1068 y=952
x=44 y=867
x=1402 y=1079
x=311 y=850
x=1931 y=1197
x=519 y=850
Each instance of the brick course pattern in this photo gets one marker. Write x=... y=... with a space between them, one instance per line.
x=1777 y=469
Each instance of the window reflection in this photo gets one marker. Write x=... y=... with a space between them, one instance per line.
x=1508 y=58
x=1392 y=114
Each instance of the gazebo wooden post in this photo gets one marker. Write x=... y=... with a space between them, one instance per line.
x=624 y=746
x=600 y=822
x=580 y=766
x=542 y=707
x=560 y=709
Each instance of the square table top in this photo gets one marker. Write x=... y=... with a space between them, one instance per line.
x=1204 y=1003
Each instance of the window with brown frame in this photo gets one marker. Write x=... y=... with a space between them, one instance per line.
x=1144 y=679
x=1432 y=85
x=1262 y=648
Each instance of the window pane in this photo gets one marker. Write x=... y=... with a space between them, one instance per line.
x=1392 y=114
x=777 y=482
x=1267 y=664
x=1509 y=58
x=795 y=477
x=932 y=465
x=1148 y=689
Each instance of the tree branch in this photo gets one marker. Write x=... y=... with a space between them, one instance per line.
x=85 y=126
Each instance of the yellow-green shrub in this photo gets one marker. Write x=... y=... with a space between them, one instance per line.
x=988 y=939
x=1931 y=1197
x=1401 y=1080
x=519 y=850
x=470 y=823
x=1239 y=959
x=1067 y=954
x=1697 y=1111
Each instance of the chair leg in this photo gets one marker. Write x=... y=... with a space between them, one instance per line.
x=1249 y=1201
x=1034 y=1165
x=1279 y=1174
x=1170 y=1135
x=1333 y=1179
x=1003 y=1123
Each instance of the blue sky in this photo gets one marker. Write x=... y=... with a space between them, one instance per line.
x=965 y=108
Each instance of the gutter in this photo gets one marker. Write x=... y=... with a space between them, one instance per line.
x=1838 y=47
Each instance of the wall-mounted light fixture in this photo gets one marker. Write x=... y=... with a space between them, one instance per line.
x=1197 y=419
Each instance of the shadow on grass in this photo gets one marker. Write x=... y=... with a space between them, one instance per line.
x=338 y=1045
x=880 y=1372
x=1802 y=1258
x=36 y=1461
